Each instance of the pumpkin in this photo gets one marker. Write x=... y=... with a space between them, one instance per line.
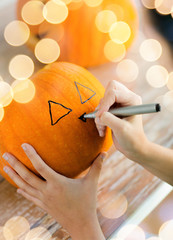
x=81 y=42
x=52 y=121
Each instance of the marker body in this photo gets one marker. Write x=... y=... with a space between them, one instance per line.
x=131 y=110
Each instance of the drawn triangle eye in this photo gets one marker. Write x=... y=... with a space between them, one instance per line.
x=83 y=92
x=57 y=111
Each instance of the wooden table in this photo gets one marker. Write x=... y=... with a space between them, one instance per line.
x=119 y=175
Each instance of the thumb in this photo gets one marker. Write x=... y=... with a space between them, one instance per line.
x=96 y=167
x=108 y=119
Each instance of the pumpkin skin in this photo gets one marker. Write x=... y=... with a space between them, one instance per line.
x=68 y=146
x=82 y=43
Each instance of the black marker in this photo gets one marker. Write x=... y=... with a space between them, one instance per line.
x=131 y=110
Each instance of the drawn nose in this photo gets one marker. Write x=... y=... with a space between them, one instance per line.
x=82 y=117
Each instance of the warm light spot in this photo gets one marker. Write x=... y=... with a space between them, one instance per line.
x=116 y=207
x=114 y=52
x=6 y=94
x=129 y=232
x=1 y=117
x=166 y=230
x=32 y=12
x=16 y=226
x=118 y=10
x=21 y=67
x=150 y=50
x=47 y=50
x=104 y=20
x=38 y=232
x=149 y=3
x=164 y=6
x=170 y=81
x=1 y=228
x=55 y=11
x=24 y=91
x=120 y=32
x=157 y=76
x=168 y=103
x=16 y=33
x=5 y=233
x=1 y=79
x=127 y=70
x=93 y=3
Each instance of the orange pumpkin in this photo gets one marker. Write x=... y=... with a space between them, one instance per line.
x=51 y=121
x=81 y=42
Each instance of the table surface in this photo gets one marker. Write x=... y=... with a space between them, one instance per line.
x=119 y=175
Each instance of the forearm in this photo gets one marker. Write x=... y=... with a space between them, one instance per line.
x=157 y=159
x=88 y=231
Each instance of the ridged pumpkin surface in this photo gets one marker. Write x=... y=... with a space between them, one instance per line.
x=51 y=124
x=82 y=43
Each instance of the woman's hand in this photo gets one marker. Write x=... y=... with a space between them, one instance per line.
x=128 y=133
x=72 y=202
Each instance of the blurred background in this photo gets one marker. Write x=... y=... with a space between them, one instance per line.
x=132 y=44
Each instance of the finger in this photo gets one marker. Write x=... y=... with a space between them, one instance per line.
x=23 y=172
x=100 y=127
x=20 y=182
x=115 y=123
x=31 y=198
x=95 y=169
x=117 y=92
x=42 y=168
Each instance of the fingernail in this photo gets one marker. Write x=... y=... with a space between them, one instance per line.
x=5 y=169
x=101 y=133
x=97 y=120
x=5 y=156
x=24 y=146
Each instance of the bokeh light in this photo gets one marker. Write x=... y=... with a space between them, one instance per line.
x=104 y=20
x=114 y=52
x=168 y=104
x=157 y=76
x=55 y=11
x=150 y=50
x=150 y=4
x=16 y=227
x=131 y=232
x=47 y=50
x=1 y=79
x=93 y=3
x=23 y=91
x=116 y=207
x=21 y=67
x=1 y=117
x=164 y=6
x=120 y=32
x=16 y=33
x=8 y=235
x=170 y=81
x=166 y=231
x=6 y=94
x=32 y=12
x=117 y=9
x=38 y=232
x=127 y=70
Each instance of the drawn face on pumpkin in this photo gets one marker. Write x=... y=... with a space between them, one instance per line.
x=52 y=105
